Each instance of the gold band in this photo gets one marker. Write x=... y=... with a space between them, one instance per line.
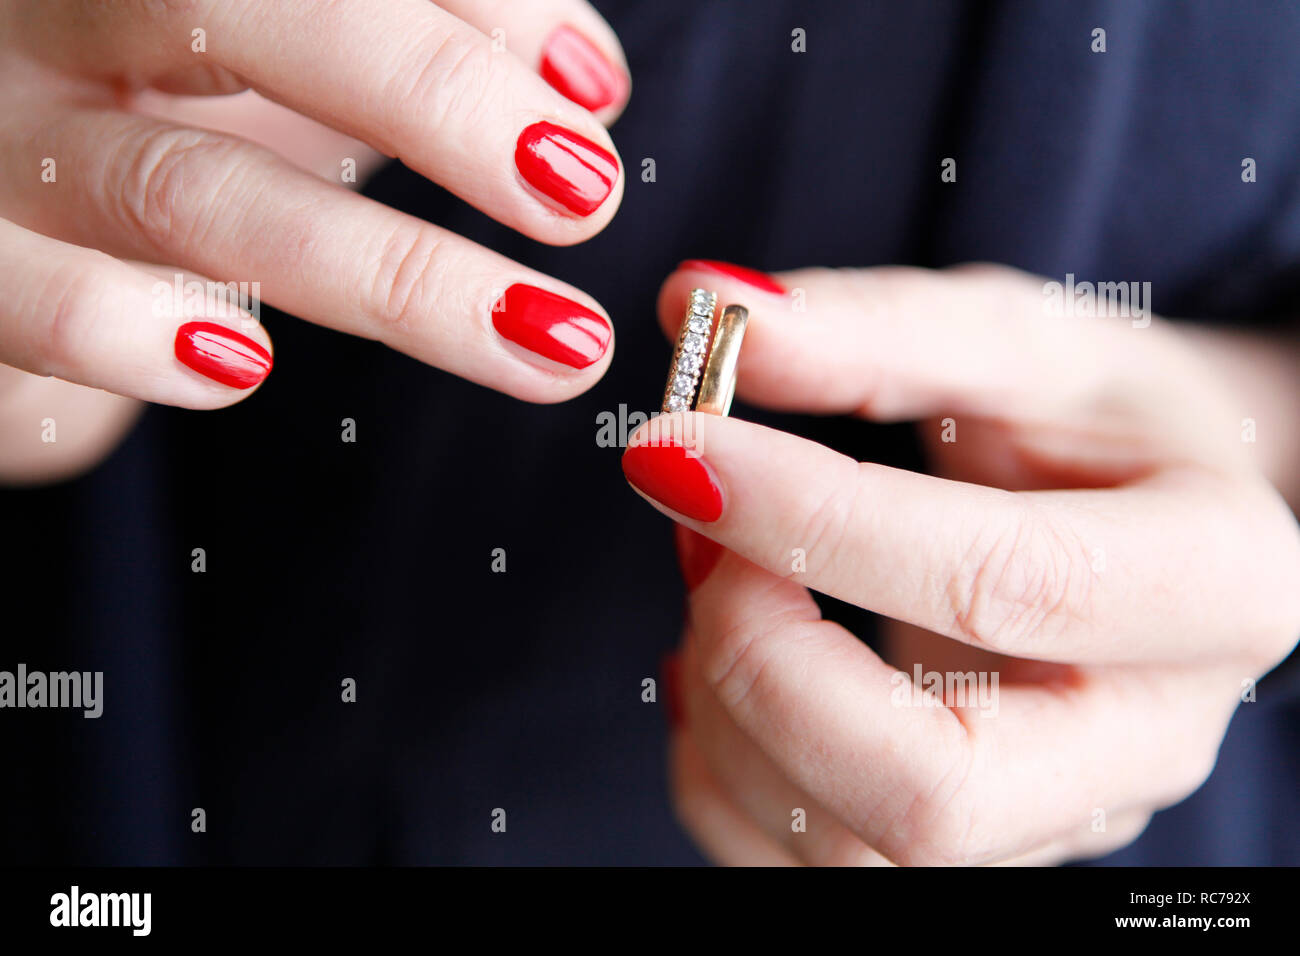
x=718 y=384
x=702 y=377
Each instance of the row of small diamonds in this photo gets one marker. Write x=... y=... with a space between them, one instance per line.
x=692 y=346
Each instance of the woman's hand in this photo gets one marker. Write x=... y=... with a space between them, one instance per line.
x=106 y=170
x=1100 y=544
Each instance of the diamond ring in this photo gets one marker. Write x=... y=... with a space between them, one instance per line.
x=702 y=377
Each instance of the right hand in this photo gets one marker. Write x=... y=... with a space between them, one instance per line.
x=101 y=197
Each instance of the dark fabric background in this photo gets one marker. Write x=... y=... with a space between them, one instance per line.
x=521 y=690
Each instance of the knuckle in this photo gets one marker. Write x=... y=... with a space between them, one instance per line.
x=1021 y=584
x=406 y=279
x=453 y=85
x=78 y=299
x=735 y=664
x=164 y=191
x=824 y=530
x=941 y=826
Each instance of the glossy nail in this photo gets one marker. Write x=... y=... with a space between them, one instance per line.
x=222 y=354
x=551 y=325
x=575 y=66
x=696 y=555
x=565 y=167
x=675 y=477
x=759 y=280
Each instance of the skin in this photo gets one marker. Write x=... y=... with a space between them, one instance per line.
x=1098 y=535
x=1073 y=436
x=165 y=166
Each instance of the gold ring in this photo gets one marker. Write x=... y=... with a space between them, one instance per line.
x=702 y=376
x=718 y=384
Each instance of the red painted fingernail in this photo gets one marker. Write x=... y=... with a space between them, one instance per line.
x=759 y=280
x=675 y=477
x=696 y=555
x=575 y=66
x=551 y=325
x=222 y=354
x=566 y=167
x=670 y=676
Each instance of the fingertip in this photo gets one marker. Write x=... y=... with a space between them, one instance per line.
x=556 y=386
x=664 y=464
x=224 y=355
x=572 y=176
x=763 y=294
x=550 y=345
x=728 y=272
x=588 y=67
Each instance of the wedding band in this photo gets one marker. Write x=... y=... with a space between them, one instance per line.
x=718 y=384
x=692 y=349
x=702 y=376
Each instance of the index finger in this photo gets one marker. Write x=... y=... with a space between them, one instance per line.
x=1115 y=574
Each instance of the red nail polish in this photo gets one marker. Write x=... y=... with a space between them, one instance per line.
x=670 y=677
x=759 y=280
x=696 y=555
x=575 y=66
x=566 y=167
x=675 y=477
x=222 y=354
x=551 y=325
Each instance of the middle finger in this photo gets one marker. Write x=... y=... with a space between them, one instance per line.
x=143 y=189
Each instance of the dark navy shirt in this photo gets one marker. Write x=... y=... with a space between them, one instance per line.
x=521 y=690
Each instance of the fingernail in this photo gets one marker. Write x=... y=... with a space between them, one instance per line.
x=677 y=478
x=567 y=168
x=670 y=676
x=759 y=280
x=575 y=66
x=222 y=354
x=551 y=325
x=696 y=555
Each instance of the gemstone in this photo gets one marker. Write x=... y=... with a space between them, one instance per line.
x=676 y=403
x=694 y=343
x=690 y=362
x=698 y=324
x=683 y=384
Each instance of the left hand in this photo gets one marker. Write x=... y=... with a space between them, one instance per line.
x=1101 y=541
